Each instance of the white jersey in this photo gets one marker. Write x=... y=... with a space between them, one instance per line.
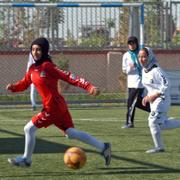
x=155 y=81
x=30 y=61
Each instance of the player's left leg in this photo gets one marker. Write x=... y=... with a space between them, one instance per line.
x=66 y=124
x=170 y=124
x=104 y=148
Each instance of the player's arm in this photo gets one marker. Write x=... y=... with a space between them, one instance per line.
x=95 y=91
x=72 y=79
x=150 y=98
x=162 y=84
x=20 y=85
x=127 y=67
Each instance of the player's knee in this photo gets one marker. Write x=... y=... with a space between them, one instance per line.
x=26 y=128
x=29 y=128
x=70 y=133
x=153 y=118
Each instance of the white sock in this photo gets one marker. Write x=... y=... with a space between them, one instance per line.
x=85 y=137
x=30 y=140
x=157 y=140
x=156 y=136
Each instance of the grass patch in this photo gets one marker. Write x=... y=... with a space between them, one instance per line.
x=129 y=160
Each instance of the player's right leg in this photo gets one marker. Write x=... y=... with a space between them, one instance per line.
x=154 y=124
x=25 y=160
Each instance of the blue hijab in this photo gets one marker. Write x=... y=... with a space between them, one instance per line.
x=134 y=57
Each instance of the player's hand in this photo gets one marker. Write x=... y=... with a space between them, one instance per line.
x=145 y=100
x=95 y=91
x=9 y=87
x=132 y=66
x=153 y=97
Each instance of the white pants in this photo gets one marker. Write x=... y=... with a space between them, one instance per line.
x=33 y=94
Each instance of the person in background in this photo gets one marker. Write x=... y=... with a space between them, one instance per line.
x=33 y=92
x=132 y=68
x=44 y=74
x=155 y=80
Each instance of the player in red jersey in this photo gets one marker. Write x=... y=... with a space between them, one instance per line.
x=45 y=75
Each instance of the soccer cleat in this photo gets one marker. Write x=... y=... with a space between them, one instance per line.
x=127 y=126
x=107 y=153
x=155 y=150
x=19 y=161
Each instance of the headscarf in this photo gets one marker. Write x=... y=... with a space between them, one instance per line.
x=152 y=62
x=44 y=44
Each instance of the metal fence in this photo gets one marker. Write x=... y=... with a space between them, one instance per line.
x=88 y=41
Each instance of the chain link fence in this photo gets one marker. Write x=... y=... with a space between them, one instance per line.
x=88 y=41
x=89 y=27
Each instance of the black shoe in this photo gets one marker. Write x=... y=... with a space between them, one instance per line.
x=107 y=153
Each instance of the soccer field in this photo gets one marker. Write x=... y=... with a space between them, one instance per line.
x=129 y=160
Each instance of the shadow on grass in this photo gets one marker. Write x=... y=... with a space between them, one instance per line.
x=76 y=174
x=16 y=145
x=142 y=167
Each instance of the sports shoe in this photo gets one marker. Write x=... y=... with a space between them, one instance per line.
x=19 y=161
x=107 y=153
x=127 y=126
x=155 y=150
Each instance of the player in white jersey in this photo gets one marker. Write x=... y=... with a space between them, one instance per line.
x=33 y=92
x=156 y=82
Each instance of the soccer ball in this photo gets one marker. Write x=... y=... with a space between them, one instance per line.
x=75 y=158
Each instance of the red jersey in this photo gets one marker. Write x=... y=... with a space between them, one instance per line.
x=45 y=78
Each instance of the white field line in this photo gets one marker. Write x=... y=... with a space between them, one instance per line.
x=83 y=119
x=104 y=119
x=99 y=119
x=74 y=119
